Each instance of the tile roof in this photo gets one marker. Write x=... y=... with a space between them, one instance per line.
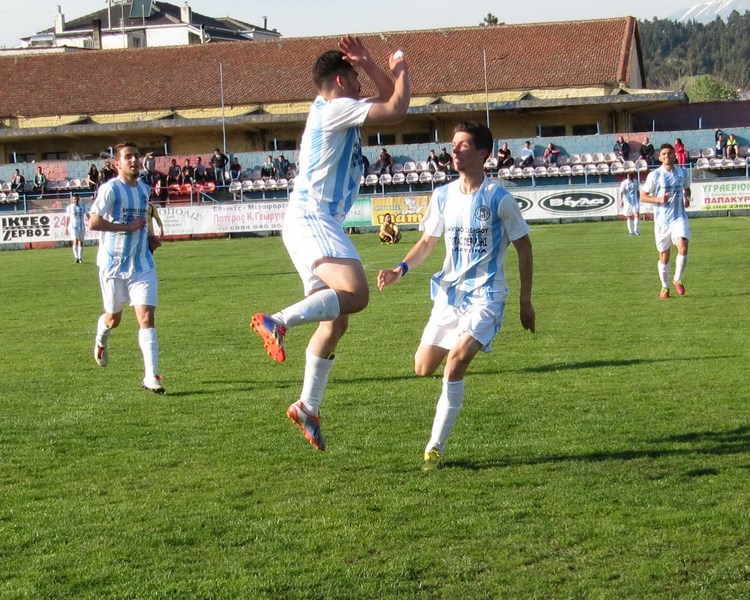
x=444 y=61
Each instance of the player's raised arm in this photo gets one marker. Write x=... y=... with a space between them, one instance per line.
x=416 y=256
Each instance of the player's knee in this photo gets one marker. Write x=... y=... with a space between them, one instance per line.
x=359 y=300
x=423 y=369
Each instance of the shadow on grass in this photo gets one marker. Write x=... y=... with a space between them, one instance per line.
x=593 y=364
x=734 y=441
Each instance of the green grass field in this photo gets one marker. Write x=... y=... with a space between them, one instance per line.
x=606 y=456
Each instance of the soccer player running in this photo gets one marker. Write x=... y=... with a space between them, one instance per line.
x=630 y=203
x=75 y=226
x=668 y=189
x=478 y=220
x=126 y=267
x=325 y=188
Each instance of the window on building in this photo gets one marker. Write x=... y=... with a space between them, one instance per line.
x=282 y=145
x=55 y=156
x=551 y=130
x=23 y=158
x=386 y=139
x=590 y=129
x=136 y=42
x=416 y=138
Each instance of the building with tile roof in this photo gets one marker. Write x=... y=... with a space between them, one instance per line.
x=535 y=80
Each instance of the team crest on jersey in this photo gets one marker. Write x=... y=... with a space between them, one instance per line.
x=482 y=213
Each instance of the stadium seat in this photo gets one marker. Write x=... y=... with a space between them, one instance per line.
x=590 y=169
x=372 y=180
x=540 y=171
x=610 y=157
x=398 y=178
x=397 y=168
x=385 y=179
x=715 y=163
x=439 y=177
x=702 y=163
x=516 y=172
x=490 y=164
x=740 y=162
x=616 y=168
x=12 y=198
x=694 y=154
x=290 y=184
x=577 y=171
x=235 y=188
x=255 y=174
x=563 y=159
x=629 y=167
x=503 y=173
x=708 y=153
x=538 y=161
x=258 y=185
x=574 y=159
x=5 y=187
x=527 y=172
x=410 y=167
x=602 y=169
x=744 y=151
x=587 y=159
x=641 y=166
x=598 y=157
x=247 y=185
x=75 y=184
x=566 y=171
x=422 y=166
x=727 y=163
x=553 y=171
x=3 y=197
x=425 y=177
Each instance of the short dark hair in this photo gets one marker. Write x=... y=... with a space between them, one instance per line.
x=666 y=147
x=481 y=134
x=122 y=145
x=329 y=65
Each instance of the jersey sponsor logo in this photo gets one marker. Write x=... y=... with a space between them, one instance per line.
x=524 y=204
x=576 y=202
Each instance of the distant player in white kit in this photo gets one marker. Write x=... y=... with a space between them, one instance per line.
x=126 y=267
x=668 y=189
x=330 y=167
x=75 y=226
x=630 y=203
x=478 y=220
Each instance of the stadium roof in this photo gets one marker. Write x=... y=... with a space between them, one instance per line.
x=557 y=57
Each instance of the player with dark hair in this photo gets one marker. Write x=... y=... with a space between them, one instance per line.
x=327 y=183
x=478 y=220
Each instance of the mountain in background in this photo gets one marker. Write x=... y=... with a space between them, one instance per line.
x=705 y=12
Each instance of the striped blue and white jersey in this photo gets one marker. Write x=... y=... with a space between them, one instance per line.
x=629 y=189
x=330 y=157
x=477 y=229
x=76 y=215
x=660 y=182
x=122 y=254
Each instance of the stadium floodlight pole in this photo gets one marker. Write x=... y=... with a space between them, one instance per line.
x=486 y=88
x=223 y=117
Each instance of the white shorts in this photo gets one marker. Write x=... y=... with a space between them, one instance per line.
x=447 y=324
x=140 y=290
x=310 y=236
x=666 y=238
x=77 y=234
x=629 y=209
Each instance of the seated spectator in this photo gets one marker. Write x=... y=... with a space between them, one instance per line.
x=732 y=146
x=108 y=172
x=235 y=170
x=384 y=162
x=365 y=165
x=679 y=152
x=187 y=173
x=550 y=154
x=268 y=169
x=647 y=151
x=504 y=157
x=199 y=170
x=173 y=172
x=17 y=183
x=40 y=181
x=92 y=179
x=283 y=166
x=526 y=156
x=432 y=162
x=621 y=149
x=445 y=161
x=721 y=146
x=389 y=231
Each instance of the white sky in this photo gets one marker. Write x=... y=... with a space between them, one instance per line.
x=327 y=17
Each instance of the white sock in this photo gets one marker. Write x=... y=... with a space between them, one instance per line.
x=150 y=350
x=320 y=306
x=102 y=332
x=663 y=273
x=315 y=381
x=679 y=266
x=636 y=224
x=446 y=413
x=75 y=251
x=630 y=225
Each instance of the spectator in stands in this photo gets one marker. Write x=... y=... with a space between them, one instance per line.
x=173 y=172
x=268 y=170
x=732 y=146
x=432 y=162
x=389 y=231
x=721 y=146
x=365 y=165
x=647 y=151
x=621 y=149
x=199 y=170
x=284 y=166
x=384 y=162
x=108 y=172
x=526 y=156
x=187 y=173
x=149 y=168
x=679 y=152
x=161 y=190
x=504 y=157
x=92 y=178
x=219 y=162
x=235 y=170
x=17 y=183
x=550 y=154
x=445 y=161
x=717 y=133
x=40 y=181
